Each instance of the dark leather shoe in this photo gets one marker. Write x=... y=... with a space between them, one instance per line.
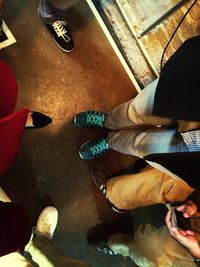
x=100 y=177
x=40 y=120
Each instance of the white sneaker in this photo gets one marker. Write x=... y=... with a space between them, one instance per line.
x=47 y=222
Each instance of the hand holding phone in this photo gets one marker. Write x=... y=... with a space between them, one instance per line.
x=185 y=237
x=179 y=221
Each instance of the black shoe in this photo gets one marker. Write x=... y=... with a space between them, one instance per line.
x=3 y=36
x=100 y=177
x=39 y=120
x=58 y=28
x=100 y=244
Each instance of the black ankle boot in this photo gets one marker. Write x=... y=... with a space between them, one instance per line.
x=40 y=120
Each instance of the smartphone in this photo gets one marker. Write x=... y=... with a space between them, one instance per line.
x=178 y=221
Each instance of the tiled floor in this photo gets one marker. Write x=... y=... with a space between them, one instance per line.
x=48 y=169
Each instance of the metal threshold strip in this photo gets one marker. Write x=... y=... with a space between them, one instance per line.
x=140 y=45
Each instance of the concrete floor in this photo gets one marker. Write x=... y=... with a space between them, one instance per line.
x=48 y=168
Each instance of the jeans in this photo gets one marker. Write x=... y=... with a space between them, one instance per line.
x=136 y=130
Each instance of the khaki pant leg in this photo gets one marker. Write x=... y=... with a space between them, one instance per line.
x=148 y=187
x=137 y=111
x=118 y=118
x=44 y=252
x=151 y=247
x=14 y=259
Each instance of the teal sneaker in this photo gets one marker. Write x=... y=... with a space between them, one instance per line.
x=94 y=149
x=90 y=119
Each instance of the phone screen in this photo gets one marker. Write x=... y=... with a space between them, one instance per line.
x=179 y=221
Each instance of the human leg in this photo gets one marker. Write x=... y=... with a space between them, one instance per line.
x=8 y=96
x=148 y=187
x=14 y=259
x=147 y=247
x=45 y=253
x=136 y=142
x=53 y=18
x=144 y=142
x=41 y=250
x=12 y=123
x=11 y=131
x=137 y=111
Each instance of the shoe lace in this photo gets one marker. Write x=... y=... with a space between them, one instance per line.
x=60 y=30
x=104 y=247
x=95 y=118
x=100 y=147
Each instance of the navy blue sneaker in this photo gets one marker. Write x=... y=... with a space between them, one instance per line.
x=94 y=149
x=90 y=119
x=57 y=26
